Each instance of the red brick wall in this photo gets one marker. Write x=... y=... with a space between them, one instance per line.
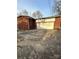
x=26 y=22
x=57 y=23
x=22 y=23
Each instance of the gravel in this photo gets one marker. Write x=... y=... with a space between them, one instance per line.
x=37 y=48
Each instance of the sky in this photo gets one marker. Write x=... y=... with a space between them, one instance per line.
x=44 y=6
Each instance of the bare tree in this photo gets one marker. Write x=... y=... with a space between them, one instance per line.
x=34 y=14
x=23 y=12
x=57 y=7
x=37 y=14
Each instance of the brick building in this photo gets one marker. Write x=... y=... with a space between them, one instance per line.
x=26 y=23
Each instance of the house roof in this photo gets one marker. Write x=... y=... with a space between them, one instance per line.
x=49 y=17
x=25 y=16
x=22 y=16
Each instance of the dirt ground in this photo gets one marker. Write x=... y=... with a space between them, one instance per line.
x=39 y=44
